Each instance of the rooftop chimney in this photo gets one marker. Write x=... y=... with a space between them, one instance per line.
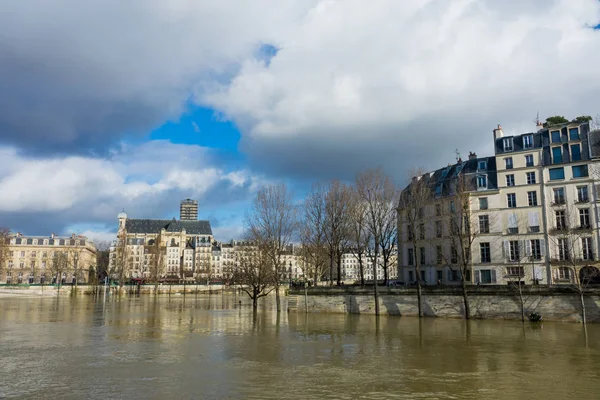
x=472 y=155
x=498 y=132
x=539 y=125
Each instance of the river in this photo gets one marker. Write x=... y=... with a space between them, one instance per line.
x=212 y=347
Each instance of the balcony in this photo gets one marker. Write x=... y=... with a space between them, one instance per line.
x=583 y=199
x=558 y=202
x=586 y=227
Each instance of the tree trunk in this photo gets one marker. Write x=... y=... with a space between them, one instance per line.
x=465 y=297
x=316 y=280
x=582 y=300
x=375 y=290
x=362 y=270
x=419 y=302
x=522 y=303
x=331 y=270
x=255 y=300
x=339 y=269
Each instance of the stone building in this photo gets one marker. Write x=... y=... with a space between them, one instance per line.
x=532 y=212
x=162 y=249
x=47 y=259
x=188 y=210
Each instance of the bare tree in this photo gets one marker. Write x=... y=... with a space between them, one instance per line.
x=4 y=251
x=59 y=266
x=571 y=249
x=359 y=235
x=389 y=236
x=412 y=203
x=378 y=192
x=312 y=235
x=253 y=271
x=337 y=199
x=462 y=232
x=156 y=251
x=271 y=224
x=123 y=260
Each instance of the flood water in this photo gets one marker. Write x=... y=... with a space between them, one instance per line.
x=211 y=347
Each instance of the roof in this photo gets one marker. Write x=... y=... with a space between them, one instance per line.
x=173 y=225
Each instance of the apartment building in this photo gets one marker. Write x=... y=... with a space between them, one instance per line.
x=47 y=259
x=165 y=249
x=532 y=212
x=351 y=267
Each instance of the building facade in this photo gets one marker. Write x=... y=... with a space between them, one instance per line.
x=188 y=210
x=47 y=259
x=532 y=212
x=173 y=250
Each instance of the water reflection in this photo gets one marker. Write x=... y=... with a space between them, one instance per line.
x=215 y=347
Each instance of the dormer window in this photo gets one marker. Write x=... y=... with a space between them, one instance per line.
x=507 y=144
x=574 y=134
x=528 y=141
x=481 y=182
x=555 y=135
x=482 y=165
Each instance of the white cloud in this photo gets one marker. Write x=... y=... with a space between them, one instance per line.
x=134 y=176
x=387 y=81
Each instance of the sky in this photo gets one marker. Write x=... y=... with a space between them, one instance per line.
x=109 y=105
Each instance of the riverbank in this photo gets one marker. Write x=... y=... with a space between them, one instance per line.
x=66 y=290
x=486 y=302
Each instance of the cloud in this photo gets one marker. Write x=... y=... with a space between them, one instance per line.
x=76 y=76
x=195 y=127
x=146 y=180
x=357 y=84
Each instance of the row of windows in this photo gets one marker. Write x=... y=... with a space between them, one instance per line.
x=48 y=242
x=578 y=171
x=555 y=137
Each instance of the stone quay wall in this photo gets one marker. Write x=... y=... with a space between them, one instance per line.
x=486 y=302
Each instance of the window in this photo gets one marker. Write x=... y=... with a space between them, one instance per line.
x=529 y=160
x=438 y=229
x=485 y=252
x=556 y=155
x=453 y=255
x=22 y=254
x=532 y=198
x=481 y=182
x=422 y=254
x=422 y=231
x=452 y=207
x=586 y=246
x=582 y=194
x=576 y=152
x=574 y=134
x=561 y=220
x=33 y=253
x=411 y=276
x=43 y=264
x=482 y=165
x=44 y=254
x=528 y=141
x=515 y=272
x=557 y=173
x=564 y=273
x=511 y=200
x=410 y=232
x=536 y=249
x=559 y=196
x=484 y=224
x=513 y=250
x=483 y=203
x=563 y=250
x=584 y=217
x=510 y=180
x=531 y=178
x=438 y=210
x=420 y=212
x=555 y=136
x=439 y=256
x=507 y=144
x=580 y=171
x=508 y=162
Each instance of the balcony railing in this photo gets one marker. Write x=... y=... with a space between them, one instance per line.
x=558 y=202
x=583 y=199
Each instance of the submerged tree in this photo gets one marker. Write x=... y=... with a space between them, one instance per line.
x=271 y=224
x=378 y=192
x=312 y=233
x=412 y=205
x=337 y=198
x=4 y=252
x=252 y=269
